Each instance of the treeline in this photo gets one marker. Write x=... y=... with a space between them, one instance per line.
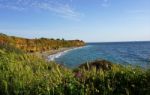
x=38 y=45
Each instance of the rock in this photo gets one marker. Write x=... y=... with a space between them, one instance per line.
x=98 y=64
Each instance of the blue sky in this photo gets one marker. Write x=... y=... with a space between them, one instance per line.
x=89 y=20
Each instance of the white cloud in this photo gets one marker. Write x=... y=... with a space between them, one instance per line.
x=138 y=11
x=106 y=3
x=53 y=6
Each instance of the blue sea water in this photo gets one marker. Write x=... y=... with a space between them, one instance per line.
x=133 y=53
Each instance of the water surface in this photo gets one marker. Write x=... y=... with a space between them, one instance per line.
x=134 y=53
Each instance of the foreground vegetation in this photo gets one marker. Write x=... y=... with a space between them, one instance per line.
x=22 y=74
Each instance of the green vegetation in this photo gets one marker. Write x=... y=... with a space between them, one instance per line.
x=23 y=74
x=39 y=45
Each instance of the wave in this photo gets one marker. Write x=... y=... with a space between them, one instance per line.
x=57 y=55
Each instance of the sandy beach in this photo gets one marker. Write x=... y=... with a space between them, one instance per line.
x=52 y=53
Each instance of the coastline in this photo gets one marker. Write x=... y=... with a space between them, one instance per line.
x=59 y=53
x=52 y=54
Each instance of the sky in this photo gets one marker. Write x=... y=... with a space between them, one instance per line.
x=88 y=20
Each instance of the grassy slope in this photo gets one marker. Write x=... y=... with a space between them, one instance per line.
x=28 y=75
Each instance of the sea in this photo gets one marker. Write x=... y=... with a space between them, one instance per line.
x=125 y=53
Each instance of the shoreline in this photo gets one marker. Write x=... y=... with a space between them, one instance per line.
x=52 y=54
x=59 y=53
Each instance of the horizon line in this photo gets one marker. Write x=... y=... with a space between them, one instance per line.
x=118 y=41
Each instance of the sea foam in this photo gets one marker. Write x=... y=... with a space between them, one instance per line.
x=57 y=55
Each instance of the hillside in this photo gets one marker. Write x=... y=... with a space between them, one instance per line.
x=38 y=45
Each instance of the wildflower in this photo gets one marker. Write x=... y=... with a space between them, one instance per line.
x=78 y=74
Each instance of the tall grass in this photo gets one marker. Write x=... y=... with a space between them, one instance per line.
x=117 y=81
x=22 y=74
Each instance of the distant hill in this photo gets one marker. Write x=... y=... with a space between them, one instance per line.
x=38 y=45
